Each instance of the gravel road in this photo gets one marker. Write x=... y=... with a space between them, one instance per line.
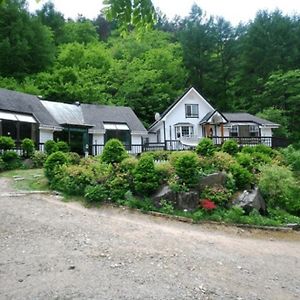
x=50 y=249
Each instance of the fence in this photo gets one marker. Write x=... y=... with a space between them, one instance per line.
x=176 y=145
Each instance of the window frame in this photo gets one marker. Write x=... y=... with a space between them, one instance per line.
x=192 y=114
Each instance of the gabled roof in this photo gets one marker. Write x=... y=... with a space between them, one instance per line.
x=209 y=115
x=246 y=117
x=175 y=102
x=99 y=114
x=25 y=103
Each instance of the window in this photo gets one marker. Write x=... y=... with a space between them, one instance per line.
x=9 y=128
x=184 y=131
x=123 y=135
x=191 y=111
x=253 y=130
x=234 y=130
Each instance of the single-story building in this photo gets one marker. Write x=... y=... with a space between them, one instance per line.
x=191 y=117
x=83 y=126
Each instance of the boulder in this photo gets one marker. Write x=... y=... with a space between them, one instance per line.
x=212 y=180
x=249 y=200
x=180 y=200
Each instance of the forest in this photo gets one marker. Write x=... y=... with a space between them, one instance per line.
x=253 y=67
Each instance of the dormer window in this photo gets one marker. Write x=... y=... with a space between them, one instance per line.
x=191 y=111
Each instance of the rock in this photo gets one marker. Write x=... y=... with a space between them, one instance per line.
x=294 y=226
x=180 y=200
x=19 y=178
x=28 y=163
x=249 y=200
x=187 y=200
x=212 y=180
x=71 y=268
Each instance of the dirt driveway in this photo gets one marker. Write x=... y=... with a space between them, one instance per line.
x=55 y=250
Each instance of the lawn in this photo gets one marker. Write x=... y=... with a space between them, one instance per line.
x=28 y=180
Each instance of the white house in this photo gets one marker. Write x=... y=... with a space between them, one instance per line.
x=83 y=126
x=191 y=118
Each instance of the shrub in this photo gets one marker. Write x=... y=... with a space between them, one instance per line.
x=118 y=185
x=292 y=157
x=28 y=147
x=175 y=155
x=128 y=165
x=243 y=178
x=280 y=188
x=146 y=180
x=206 y=147
x=76 y=178
x=159 y=155
x=231 y=147
x=261 y=148
x=62 y=146
x=234 y=215
x=245 y=160
x=260 y=158
x=11 y=160
x=164 y=171
x=55 y=159
x=218 y=194
x=208 y=205
x=166 y=207
x=38 y=159
x=113 y=152
x=50 y=147
x=222 y=161
x=96 y=193
x=73 y=158
x=6 y=143
x=187 y=169
x=2 y=165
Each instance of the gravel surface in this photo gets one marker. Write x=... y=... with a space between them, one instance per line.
x=55 y=250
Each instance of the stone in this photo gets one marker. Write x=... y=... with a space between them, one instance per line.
x=181 y=200
x=215 y=179
x=249 y=200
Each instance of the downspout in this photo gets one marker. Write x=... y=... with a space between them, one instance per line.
x=164 y=124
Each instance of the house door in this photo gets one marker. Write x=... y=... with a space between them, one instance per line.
x=244 y=131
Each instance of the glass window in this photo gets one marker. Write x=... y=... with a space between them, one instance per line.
x=123 y=135
x=9 y=128
x=234 y=130
x=253 y=130
x=25 y=131
x=186 y=131
x=191 y=111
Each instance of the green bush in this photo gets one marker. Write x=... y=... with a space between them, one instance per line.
x=164 y=171
x=50 y=147
x=245 y=160
x=113 y=152
x=73 y=158
x=128 y=165
x=222 y=161
x=96 y=193
x=280 y=188
x=62 y=146
x=260 y=158
x=243 y=178
x=28 y=147
x=234 y=215
x=187 y=169
x=261 y=148
x=11 y=160
x=6 y=143
x=54 y=160
x=218 y=194
x=159 y=155
x=2 y=165
x=231 y=147
x=146 y=180
x=38 y=159
x=118 y=185
x=292 y=157
x=175 y=155
x=206 y=147
x=76 y=178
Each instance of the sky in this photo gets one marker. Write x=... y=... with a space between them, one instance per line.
x=234 y=11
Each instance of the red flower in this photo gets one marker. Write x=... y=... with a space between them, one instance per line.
x=208 y=204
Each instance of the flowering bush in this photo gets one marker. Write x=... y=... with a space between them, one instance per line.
x=207 y=204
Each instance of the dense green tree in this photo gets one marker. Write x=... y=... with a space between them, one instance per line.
x=26 y=46
x=53 y=19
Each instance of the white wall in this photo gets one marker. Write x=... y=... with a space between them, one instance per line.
x=46 y=135
x=98 y=138
x=177 y=115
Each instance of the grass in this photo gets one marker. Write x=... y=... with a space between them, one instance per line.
x=34 y=179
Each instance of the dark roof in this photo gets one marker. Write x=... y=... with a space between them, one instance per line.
x=99 y=114
x=27 y=104
x=246 y=117
x=55 y=113
x=209 y=115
